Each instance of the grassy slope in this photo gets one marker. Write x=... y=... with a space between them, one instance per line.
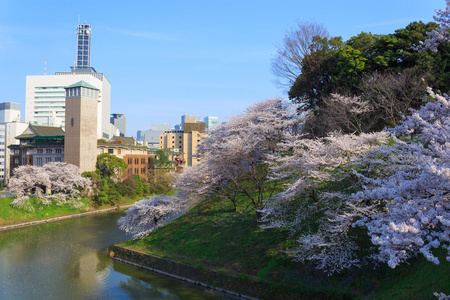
x=10 y=215
x=211 y=235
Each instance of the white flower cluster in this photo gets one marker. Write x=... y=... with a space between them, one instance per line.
x=63 y=180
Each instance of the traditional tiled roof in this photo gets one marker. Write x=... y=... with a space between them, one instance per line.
x=82 y=84
x=41 y=131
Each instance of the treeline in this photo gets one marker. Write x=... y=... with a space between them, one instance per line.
x=384 y=71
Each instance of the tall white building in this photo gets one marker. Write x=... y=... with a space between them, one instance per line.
x=45 y=99
x=45 y=94
x=10 y=127
x=9 y=112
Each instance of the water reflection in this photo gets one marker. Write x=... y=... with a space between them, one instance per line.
x=64 y=260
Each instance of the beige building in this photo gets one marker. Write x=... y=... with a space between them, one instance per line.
x=80 y=143
x=138 y=158
x=185 y=141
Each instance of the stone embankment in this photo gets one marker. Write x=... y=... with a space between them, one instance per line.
x=62 y=217
x=225 y=283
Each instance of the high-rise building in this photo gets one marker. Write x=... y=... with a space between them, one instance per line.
x=10 y=127
x=45 y=94
x=84 y=46
x=189 y=117
x=120 y=121
x=211 y=122
x=9 y=112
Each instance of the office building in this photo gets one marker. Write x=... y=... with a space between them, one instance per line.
x=45 y=94
x=190 y=117
x=120 y=122
x=10 y=127
x=9 y=112
x=211 y=122
x=151 y=137
x=185 y=141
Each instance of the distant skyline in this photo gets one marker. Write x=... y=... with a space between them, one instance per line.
x=166 y=59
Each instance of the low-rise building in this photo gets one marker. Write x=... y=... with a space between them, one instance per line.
x=42 y=144
x=38 y=145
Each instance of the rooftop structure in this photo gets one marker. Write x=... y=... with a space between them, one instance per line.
x=84 y=33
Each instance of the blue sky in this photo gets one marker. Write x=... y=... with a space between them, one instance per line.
x=169 y=58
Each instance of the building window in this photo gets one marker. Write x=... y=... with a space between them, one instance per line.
x=58 y=150
x=58 y=159
x=119 y=151
x=111 y=151
x=101 y=150
x=143 y=171
x=48 y=159
x=48 y=151
x=40 y=151
x=16 y=161
x=136 y=161
x=142 y=161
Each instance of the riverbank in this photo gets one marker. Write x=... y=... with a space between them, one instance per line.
x=61 y=217
x=11 y=217
x=215 y=240
x=182 y=271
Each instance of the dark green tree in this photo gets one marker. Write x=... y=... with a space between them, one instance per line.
x=162 y=161
x=111 y=167
x=102 y=197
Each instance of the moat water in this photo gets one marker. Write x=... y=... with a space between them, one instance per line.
x=65 y=260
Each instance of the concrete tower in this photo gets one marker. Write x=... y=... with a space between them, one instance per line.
x=80 y=143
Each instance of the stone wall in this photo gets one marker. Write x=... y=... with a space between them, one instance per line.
x=242 y=286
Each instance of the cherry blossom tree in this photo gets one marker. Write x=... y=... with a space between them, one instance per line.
x=146 y=215
x=232 y=164
x=415 y=187
x=319 y=218
x=441 y=34
x=63 y=183
x=27 y=179
x=233 y=155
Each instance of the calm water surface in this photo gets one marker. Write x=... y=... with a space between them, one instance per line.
x=64 y=260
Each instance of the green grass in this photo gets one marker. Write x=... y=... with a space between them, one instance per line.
x=213 y=236
x=9 y=214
